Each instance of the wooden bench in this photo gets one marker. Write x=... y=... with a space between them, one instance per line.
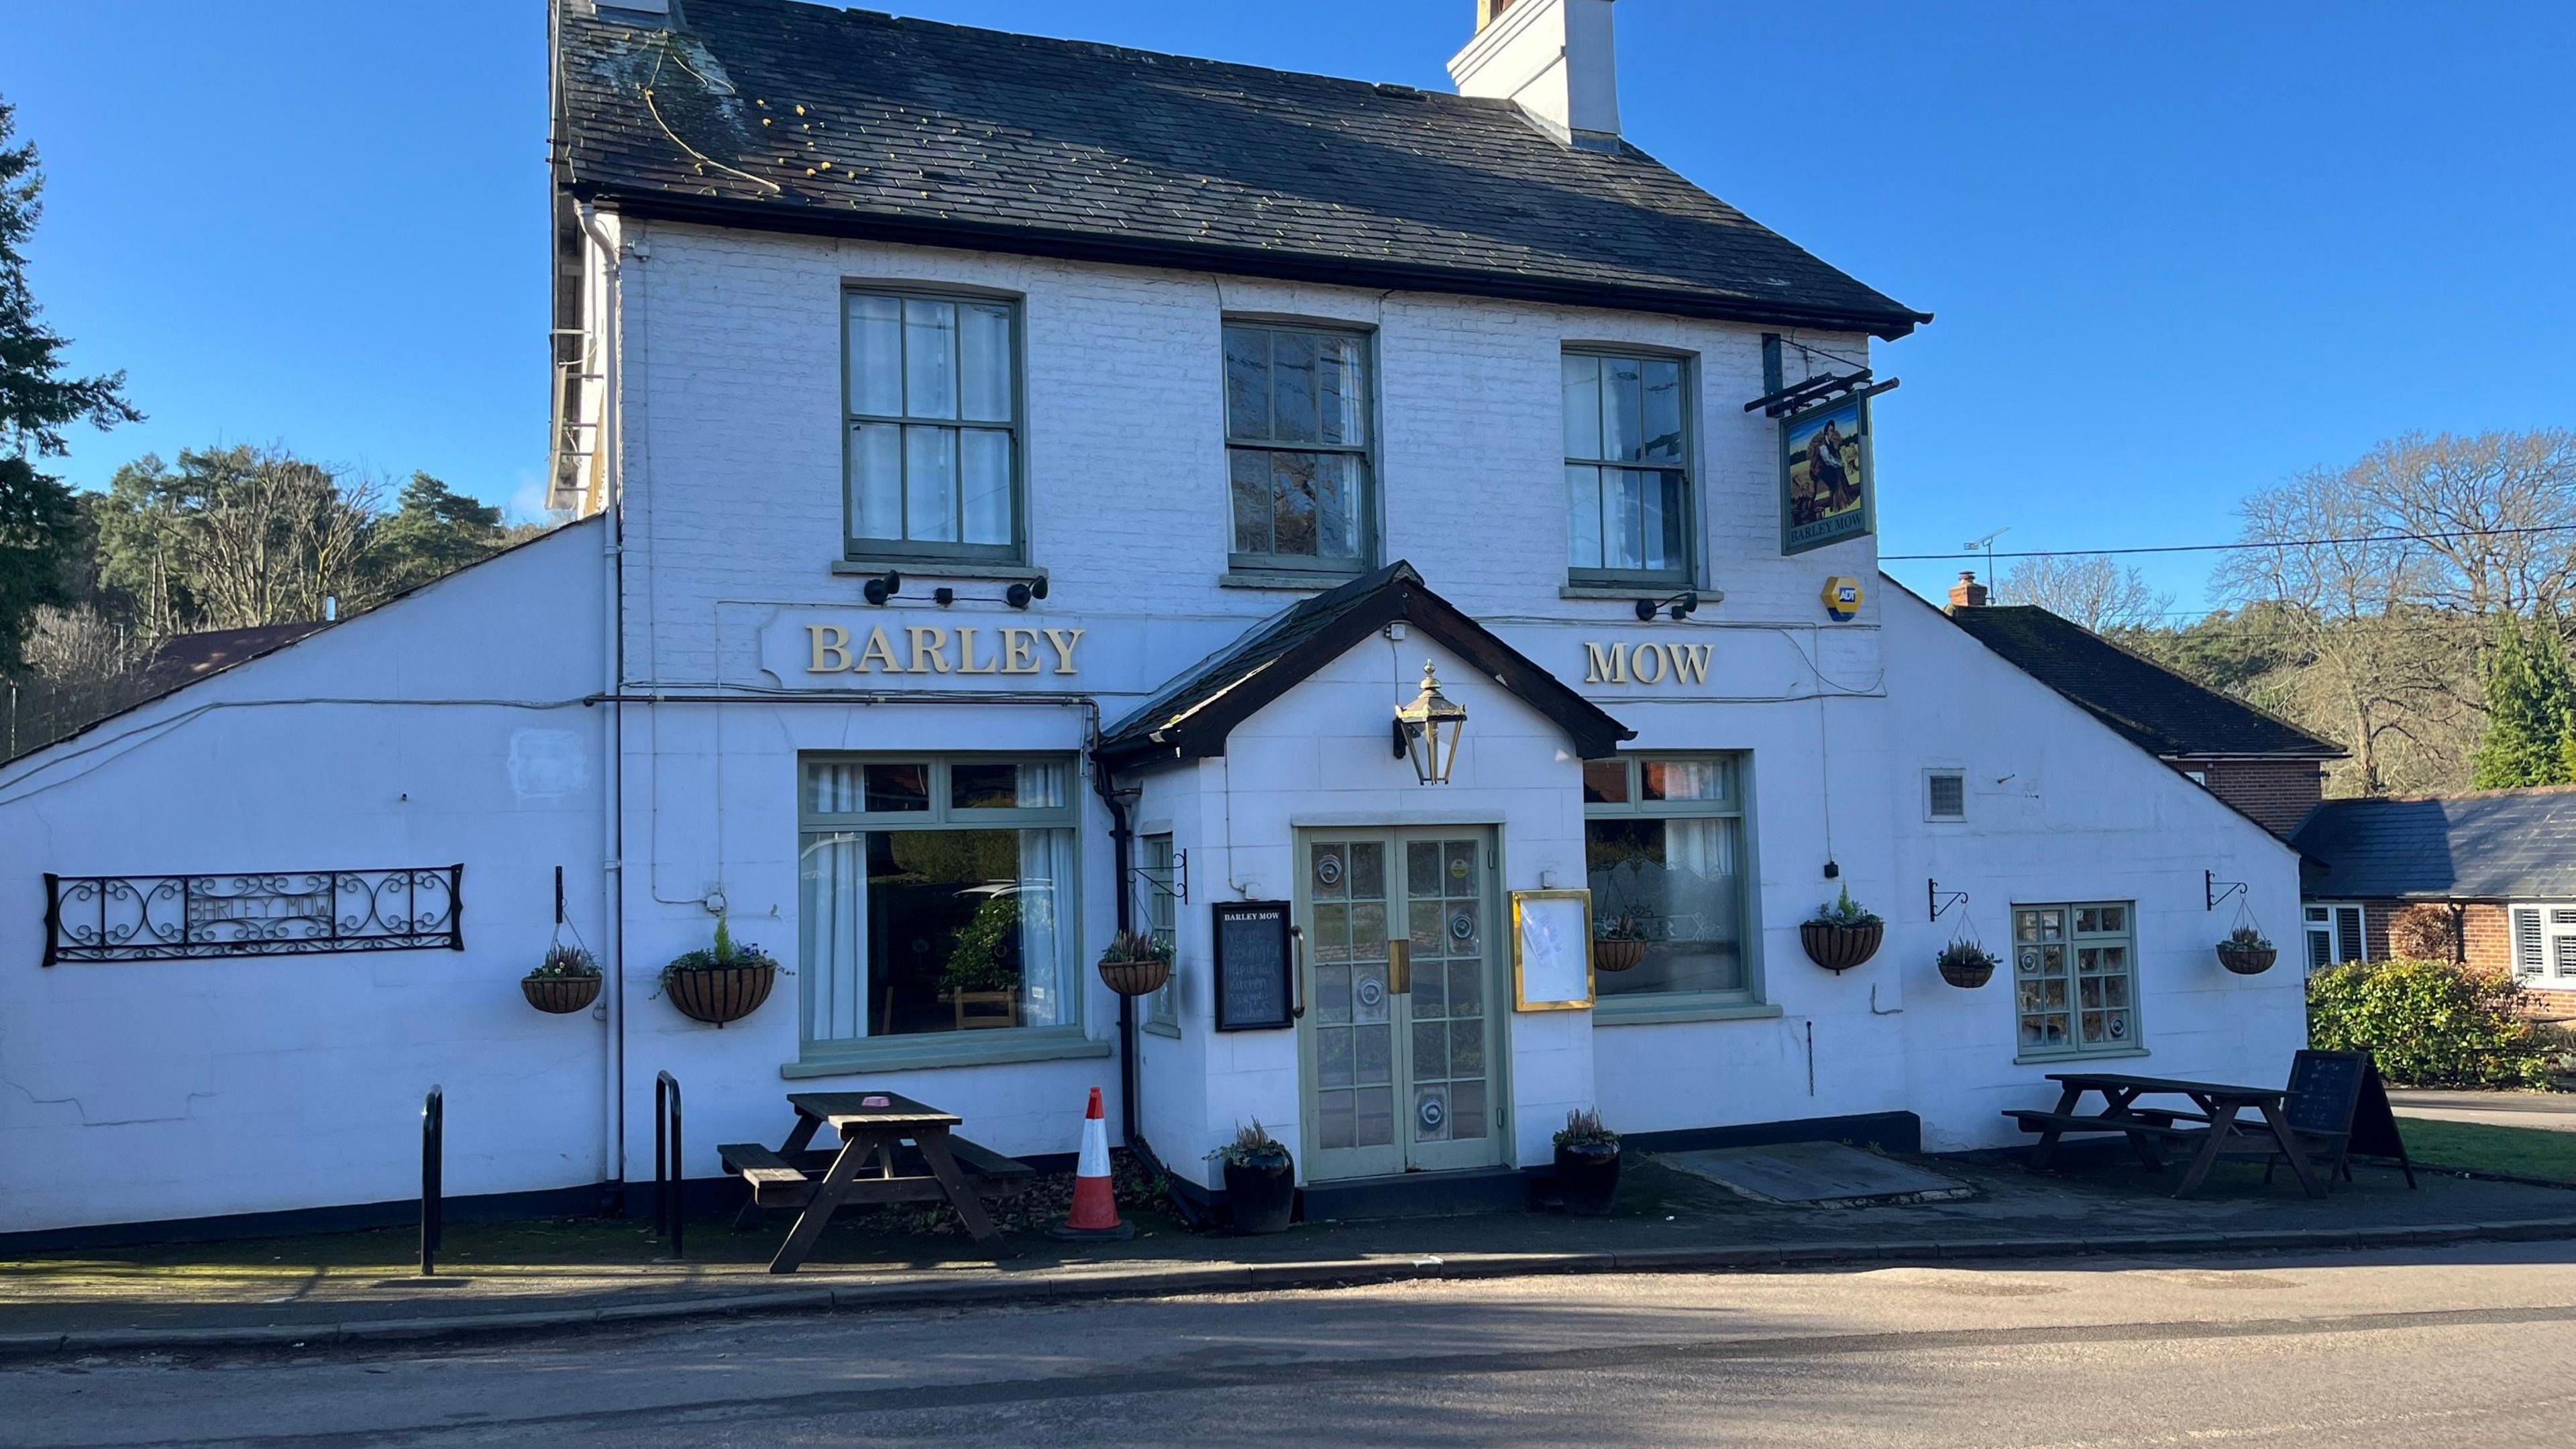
x=774 y=1181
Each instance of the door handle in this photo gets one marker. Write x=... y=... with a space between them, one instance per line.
x=1399 y=967
x=1297 y=977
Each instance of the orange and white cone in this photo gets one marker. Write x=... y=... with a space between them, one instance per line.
x=1095 y=1207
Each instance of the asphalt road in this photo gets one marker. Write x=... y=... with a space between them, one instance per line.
x=2445 y=1345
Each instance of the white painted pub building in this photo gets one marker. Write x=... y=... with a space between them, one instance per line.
x=1018 y=482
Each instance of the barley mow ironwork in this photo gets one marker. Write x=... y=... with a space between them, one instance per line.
x=253 y=913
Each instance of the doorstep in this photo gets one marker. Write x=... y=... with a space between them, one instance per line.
x=1418 y=1195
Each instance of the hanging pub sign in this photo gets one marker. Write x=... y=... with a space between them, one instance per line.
x=1252 y=966
x=1826 y=476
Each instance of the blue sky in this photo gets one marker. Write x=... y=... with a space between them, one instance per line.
x=2178 y=251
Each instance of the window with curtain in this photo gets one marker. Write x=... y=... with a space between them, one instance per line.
x=1297 y=448
x=1663 y=841
x=1158 y=914
x=936 y=895
x=933 y=419
x=1627 y=468
x=2075 y=979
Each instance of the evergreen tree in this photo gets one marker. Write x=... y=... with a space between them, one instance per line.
x=39 y=523
x=433 y=531
x=2527 y=740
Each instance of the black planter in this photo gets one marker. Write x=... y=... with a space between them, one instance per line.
x=2247 y=960
x=1587 y=1178
x=1261 y=1195
x=1839 y=948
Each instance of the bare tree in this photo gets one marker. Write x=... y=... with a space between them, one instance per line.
x=2497 y=510
x=79 y=647
x=2090 y=590
x=263 y=537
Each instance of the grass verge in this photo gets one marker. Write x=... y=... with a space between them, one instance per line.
x=2476 y=1147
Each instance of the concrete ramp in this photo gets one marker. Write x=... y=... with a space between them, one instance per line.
x=1816 y=1174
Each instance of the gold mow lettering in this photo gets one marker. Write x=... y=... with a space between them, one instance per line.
x=1645 y=663
x=935 y=649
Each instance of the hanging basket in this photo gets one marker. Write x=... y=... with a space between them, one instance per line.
x=718 y=994
x=2247 y=960
x=1141 y=977
x=1618 y=955
x=560 y=995
x=1967 y=970
x=1840 y=948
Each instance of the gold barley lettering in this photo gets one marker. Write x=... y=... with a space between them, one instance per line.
x=930 y=660
x=966 y=654
x=1062 y=642
x=1019 y=651
x=881 y=651
x=830 y=648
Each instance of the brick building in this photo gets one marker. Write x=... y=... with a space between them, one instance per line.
x=2503 y=862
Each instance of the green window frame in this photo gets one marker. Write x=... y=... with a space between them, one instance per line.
x=1300 y=449
x=933 y=439
x=1632 y=515
x=2075 y=980
x=849 y=805
x=1158 y=911
x=1691 y=885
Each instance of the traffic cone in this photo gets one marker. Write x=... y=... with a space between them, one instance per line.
x=1095 y=1208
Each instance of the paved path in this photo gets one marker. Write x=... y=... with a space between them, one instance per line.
x=2441 y=1345
x=2550 y=1111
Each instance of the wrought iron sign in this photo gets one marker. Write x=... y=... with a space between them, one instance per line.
x=265 y=913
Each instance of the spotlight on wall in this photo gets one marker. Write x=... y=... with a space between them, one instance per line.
x=878 y=590
x=1682 y=605
x=1018 y=596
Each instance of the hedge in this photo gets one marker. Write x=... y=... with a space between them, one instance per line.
x=2430 y=1023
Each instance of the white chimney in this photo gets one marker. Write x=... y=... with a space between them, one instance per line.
x=1553 y=57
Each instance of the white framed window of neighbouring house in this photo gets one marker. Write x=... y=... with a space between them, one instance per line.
x=2544 y=944
x=1158 y=915
x=1665 y=843
x=2336 y=933
x=1299 y=455
x=931 y=437
x=938 y=905
x=2075 y=979
x=1629 y=508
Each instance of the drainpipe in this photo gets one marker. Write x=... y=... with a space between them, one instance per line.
x=1122 y=849
x=611 y=459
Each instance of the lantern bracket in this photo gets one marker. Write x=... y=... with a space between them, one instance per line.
x=2210 y=891
x=1939 y=901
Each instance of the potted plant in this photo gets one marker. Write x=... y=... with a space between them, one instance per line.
x=981 y=981
x=1841 y=935
x=1260 y=1180
x=1587 y=1164
x=1618 y=944
x=565 y=982
x=1965 y=963
x=2246 y=952
x=724 y=984
x=1136 y=964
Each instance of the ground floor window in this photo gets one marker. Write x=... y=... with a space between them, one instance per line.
x=2335 y=935
x=2544 y=945
x=2075 y=979
x=1663 y=843
x=936 y=895
x=1158 y=914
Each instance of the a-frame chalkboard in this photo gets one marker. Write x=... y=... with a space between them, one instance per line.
x=2338 y=1097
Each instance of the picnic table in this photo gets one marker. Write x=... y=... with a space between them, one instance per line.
x=874 y=1127
x=2218 y=1129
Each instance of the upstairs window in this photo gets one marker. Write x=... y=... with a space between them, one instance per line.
x=1297 y=448
x=1945 y=795
x=1627 y=469
x=932 y=433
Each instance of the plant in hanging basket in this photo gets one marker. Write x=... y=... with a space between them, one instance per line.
x=726 y=983
x=1966 y=964
x=565 y=982
x=1841 y=934
x=1618 y=943
x=1136 y=964
x=2246 y=952
x=1587 y=1164
x=1260 y=1180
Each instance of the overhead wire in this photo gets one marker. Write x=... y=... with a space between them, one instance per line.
x=2234 y=547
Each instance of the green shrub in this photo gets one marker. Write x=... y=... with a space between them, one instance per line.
x=2430 y=1023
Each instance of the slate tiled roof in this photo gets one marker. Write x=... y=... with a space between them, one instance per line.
x=1191 y=717
x=2156 y=709
x=791 y=116
x=2492 y=845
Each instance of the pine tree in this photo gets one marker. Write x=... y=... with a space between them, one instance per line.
x=2530 y=736
x=39 y=522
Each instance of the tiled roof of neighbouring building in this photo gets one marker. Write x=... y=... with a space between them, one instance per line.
x=2156 y=709
x=2492 y=845
x=789 y=116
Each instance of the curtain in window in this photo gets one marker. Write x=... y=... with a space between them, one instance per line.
x=1045 y=894
x=832 y=914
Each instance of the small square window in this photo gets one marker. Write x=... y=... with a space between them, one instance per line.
x=1945 y=795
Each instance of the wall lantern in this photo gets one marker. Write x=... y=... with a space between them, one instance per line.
x=1428 y=730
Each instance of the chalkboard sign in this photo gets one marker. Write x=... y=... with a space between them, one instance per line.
x=1252 y=965
x=2340 y=1094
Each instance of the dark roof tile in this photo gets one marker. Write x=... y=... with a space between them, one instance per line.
x=2492 y=845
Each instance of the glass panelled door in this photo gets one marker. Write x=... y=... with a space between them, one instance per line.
x=1399 y=1038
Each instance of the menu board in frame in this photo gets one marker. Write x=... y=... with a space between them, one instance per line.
x=1253 y=966
x=1551 y=950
